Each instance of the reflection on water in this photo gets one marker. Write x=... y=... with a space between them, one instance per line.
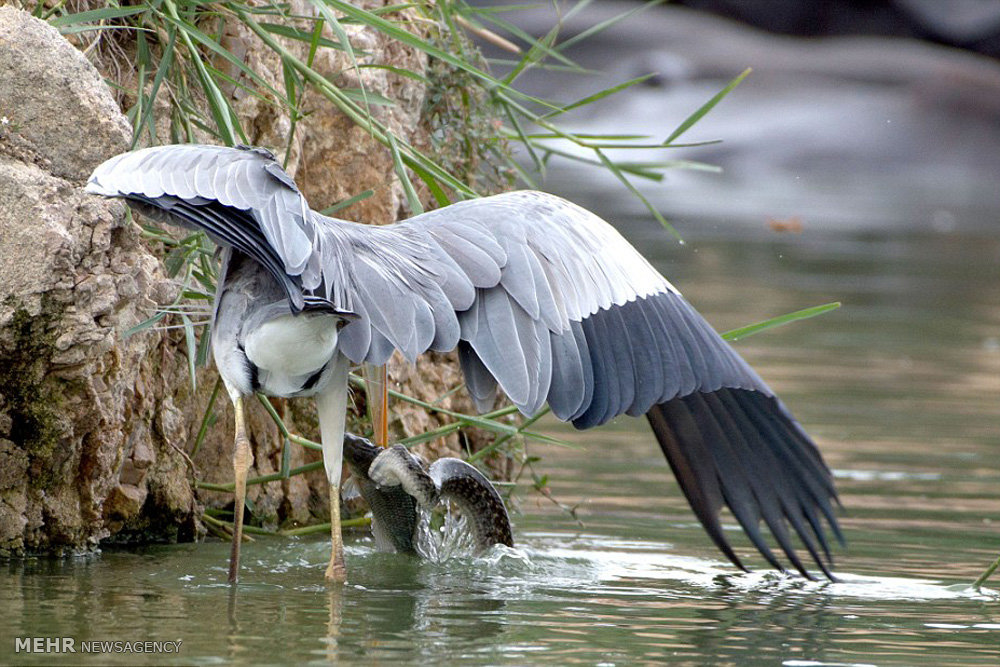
x=901 y=387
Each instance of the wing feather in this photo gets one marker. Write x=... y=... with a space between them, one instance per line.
x=619 y=342
x=480 y=268
x=501 y=346
x=480 y=382
x=679 y=378
x=646 y=355
x=587 y=366
x=567 y=387
x=355 y=339
x=518 y=278
x=605 y=393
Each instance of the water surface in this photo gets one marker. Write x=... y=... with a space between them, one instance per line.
x=901 y=388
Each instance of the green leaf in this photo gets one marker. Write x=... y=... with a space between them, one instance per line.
x=603 y=25
x=781 y=320
x=98 y=15
x=427 y=436
x=300 y=35
x=348 y=47
x=706 y=107
x=525 y=140
x=440 y=196
x=204 y=347
x=361 y=196
x=539 y=49
x=146 y=324
x=566 y=65
x=389 y=9
x=978 y=583
x=628 y=184
x=404 y=178
x=367 y=97
x=189 y=30
x=411 y=157
x=400 y=71
x=624 y=141
x=590 y=99
x=175 y=261
x=149 y=101
x=227 y=126
x=394 y=31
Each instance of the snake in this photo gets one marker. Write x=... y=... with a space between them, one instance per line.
x=396 y=486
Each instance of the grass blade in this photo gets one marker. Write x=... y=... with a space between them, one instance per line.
x=345 y=40
x=978 y=584
x=98 y=15
x=781 y=320
x=440 y=196
x=189 y=30
x=566 y=64
x=533 y=56
x=411 y=157
x=227 y=125
x=361 y=196
x=394 y=31
x=411 y=194
x=399 y=71
x=142 y=326
x=706 y=107
x=604 y=25
x=166 y=63
x=628 y=184
x=590 y=99
x=300 y=35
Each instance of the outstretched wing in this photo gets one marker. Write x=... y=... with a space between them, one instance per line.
x=542 y=298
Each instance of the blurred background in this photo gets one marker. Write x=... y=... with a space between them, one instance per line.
x=858 y=114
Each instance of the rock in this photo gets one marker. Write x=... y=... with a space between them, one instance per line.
x=66 y=120
x=65 y=373
x=73 y=276
x=99 y=431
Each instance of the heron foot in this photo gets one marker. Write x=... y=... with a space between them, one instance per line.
x=336 y=571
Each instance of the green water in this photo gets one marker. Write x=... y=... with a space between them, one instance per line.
x=901 y=388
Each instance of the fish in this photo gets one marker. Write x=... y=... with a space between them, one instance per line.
x=396 y=487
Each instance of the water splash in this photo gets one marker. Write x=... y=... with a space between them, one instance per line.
x=445 y=535
x=442 y=536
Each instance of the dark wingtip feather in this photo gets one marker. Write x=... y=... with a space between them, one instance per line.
x=740 y=448
x=686 y=457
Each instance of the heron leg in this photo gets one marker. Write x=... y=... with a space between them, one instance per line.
x=331 y=405
x=242 y=460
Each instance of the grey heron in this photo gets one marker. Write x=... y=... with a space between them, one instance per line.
x=541 y=298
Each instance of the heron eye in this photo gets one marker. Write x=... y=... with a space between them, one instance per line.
x=341 y=323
